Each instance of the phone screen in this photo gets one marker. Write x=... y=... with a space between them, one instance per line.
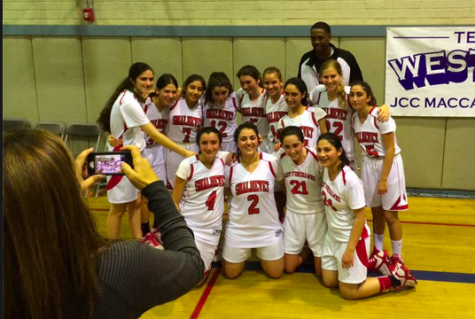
x=108 y=164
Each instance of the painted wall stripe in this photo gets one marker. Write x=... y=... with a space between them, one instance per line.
x=190 y=31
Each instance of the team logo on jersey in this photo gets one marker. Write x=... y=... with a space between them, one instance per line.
x=337 y=114
x=252 y=187
x=307 y=131
x=219 y=114
x=186 y=120
x=253 y=111
x=278 y=233
x=367 y=137
x=299 y=174
x=209 y=182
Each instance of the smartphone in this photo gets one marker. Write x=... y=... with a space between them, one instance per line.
x=108 y=163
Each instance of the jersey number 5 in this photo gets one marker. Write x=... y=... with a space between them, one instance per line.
x=252 y=208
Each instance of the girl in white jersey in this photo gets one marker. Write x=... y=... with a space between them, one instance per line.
x=253 y=221
x=184 y=120
x=382 y=169
x=305 y=215
x=199 y=193
x=156 y=108
x=331 y=96
x=345 y=251
x=124 y=117
x=252 y=101
x=311 y=122
x=220 y=108
x=276 y=108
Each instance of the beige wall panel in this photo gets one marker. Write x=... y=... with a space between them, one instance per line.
x=259 y=52
x=459 y=172
x=163 y=55
x=294 y=49
x=204 y=56
x=19 y=87
x=60 y=79
x=370 y=54
x=422 y=149
x=106 y=64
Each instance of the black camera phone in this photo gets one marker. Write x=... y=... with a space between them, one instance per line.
x=108 y=163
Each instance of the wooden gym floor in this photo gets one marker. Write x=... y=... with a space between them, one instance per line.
x=438 y=246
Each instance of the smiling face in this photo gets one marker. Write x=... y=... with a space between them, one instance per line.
x=294 y=148
x=248 y=142
x=209 y=145
x=220 y=94
x=293 y=96
x=327 y=154
x=167 y=95
x=331 y=79
x=143 y=84
x=359 y=98
x=194 y=91
x=249 y=84
x=273 y=84
x=320 y=41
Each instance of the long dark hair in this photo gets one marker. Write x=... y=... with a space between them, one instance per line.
x=336 y=142
x=127 y=84
x=163 y=81
x=192 y=78
x=368 y=91
x=217 y=79
x=56 y=262
x=251 y=71
x=292 y=130
x=207 y=130
x=301 y=86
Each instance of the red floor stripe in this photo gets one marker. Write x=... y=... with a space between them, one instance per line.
x=205 y=295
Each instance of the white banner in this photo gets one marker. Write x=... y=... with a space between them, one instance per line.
x=430 y=71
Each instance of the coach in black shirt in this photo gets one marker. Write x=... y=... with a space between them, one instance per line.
x=309 y=67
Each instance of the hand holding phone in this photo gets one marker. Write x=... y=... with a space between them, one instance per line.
x=85 y=181
x=108 y=163
x=141 y=173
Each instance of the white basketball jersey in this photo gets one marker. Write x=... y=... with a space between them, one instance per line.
x=303 y=184
x=274 y=112
x=253 y=218
x=255 y=112
x=340 y=198
x=202 y=203
x=308 y=123
x=183 y=122
x=369 y=134
x=338 y=120
x=127 y=116
x=222 y=118
x=157 y=118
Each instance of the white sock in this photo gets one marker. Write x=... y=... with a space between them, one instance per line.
x=378 y=241
x=397 y=247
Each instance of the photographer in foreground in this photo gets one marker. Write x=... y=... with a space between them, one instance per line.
x=56 y=264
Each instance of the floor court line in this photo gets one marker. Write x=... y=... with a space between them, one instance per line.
x=419 y=274
x=204 y=296
x=369 y=220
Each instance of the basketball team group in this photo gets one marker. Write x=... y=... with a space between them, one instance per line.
x=288 y=172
